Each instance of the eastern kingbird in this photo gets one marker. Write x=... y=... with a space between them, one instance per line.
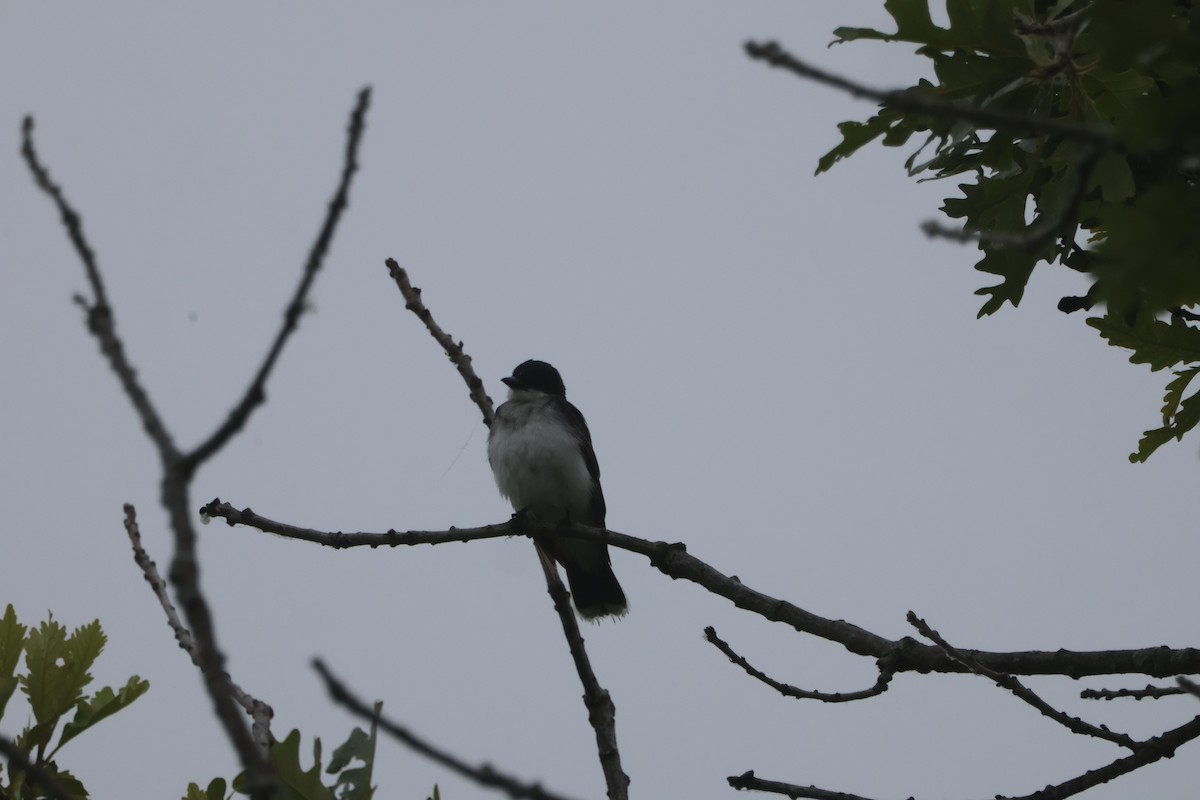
x=541 y=454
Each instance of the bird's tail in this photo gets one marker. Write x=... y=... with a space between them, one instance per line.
x=596 y=590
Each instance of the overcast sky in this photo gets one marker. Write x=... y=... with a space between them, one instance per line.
x=778 y=369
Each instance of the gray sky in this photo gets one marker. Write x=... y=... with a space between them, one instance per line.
x=779 y=370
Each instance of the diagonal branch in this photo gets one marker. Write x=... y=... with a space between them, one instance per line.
x=673 y=560
x=100 y=319
x=256 y=393
x=1006 y=681
x=259 y=712
x=454 y=350
x=602 y=713
x=1161 y=746
x=485 y=774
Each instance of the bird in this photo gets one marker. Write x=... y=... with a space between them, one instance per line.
x=541 y=455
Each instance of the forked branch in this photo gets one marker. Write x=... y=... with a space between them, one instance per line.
x=178 y=469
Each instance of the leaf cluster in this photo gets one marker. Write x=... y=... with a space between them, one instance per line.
x=350 y=764
x=57 y=668
x=1120 y=204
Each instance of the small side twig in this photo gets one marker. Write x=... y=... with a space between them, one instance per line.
x=787 y=690
x=1149 y=693
x=748 y=781
x=260 y=713
x=485 y=774
x=1006 y=681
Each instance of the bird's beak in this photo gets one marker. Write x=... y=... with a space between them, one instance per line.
x=512 y=383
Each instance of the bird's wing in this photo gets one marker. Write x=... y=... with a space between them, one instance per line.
x=596 y=509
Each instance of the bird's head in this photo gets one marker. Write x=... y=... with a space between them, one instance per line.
x=535 y=377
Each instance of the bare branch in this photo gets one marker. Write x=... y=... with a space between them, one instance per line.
x=602 y=713
x=219 y=509
x=1150 y=692
x=256 y=393
x=259 y=712
x=747 y=781
x=100 y=319
x=787 y=690
x=1162 y=746
x=39 y=777
x=1191 y=687
x=485 y=774
x=1006 y=681
x=917 y=102
x=454 y=350
x=185 y=578
x=674 y=561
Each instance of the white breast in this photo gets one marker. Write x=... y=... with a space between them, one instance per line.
x=537 y=462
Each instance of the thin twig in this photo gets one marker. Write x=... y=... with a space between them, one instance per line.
x=454 y=350
x=917 y=102
x=485 y=774
x=255 y=394
x=260 y=713
x=219 y=509
x=1006 y=681
x=39 y=777
x=787 y=690
x=100 y=319
x=1189 y=686
x=674 y=561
